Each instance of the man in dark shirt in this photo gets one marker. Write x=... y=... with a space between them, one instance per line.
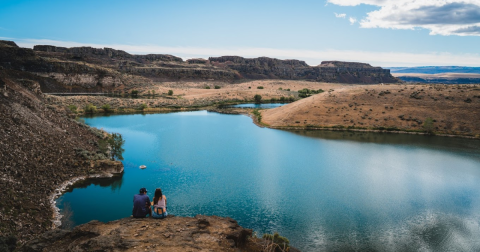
x=141 y=204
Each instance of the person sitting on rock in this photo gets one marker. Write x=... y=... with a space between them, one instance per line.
x=159 y=204
x=141 y=204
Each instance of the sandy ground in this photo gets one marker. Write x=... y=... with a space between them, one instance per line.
x=455 y=109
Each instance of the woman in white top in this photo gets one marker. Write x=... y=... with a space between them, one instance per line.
x=159 y=204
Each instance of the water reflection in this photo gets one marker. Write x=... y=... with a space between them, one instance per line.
x=114 y=183
x=470 y=147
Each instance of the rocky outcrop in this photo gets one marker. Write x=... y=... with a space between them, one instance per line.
x=328 y=71
x=38 y=153
x=81 y=52
x=205 y=233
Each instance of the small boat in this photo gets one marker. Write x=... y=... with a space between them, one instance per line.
x=143 y=166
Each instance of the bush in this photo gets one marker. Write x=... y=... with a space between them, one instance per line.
x=90 y=109
x=112 y=146
x=134 y=93
x=282 y=99
x=207 y=87
x=106 y=108
x=257 y=98
x=170 y=92
x=260 y=87
x=428 y=125
x=72 y=108
x=280 y=88
x=276 y=242
x=142 y=106
x=257 y=114
x=217 y=87
x=307 y=92
x=273 y=100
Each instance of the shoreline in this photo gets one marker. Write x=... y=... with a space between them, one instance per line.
x=52 y=198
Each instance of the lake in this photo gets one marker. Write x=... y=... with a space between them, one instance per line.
x=258 y=105
x=329 y=191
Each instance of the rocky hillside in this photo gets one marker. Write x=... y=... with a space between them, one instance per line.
x=40 y=148
x=81 y=69
x=201 y=233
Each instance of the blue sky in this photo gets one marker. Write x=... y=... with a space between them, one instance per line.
x=380 y=32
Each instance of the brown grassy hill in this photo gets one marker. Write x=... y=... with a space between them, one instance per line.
x=454 y=109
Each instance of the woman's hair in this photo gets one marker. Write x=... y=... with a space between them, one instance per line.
x=158 y=195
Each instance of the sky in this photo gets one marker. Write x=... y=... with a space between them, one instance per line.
x=385 y=33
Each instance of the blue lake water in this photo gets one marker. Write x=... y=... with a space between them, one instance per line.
x=325 y=191
x=258 y=105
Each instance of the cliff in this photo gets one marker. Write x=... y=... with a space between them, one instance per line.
x=40 y=149
x=80 y=69
x=327 y=71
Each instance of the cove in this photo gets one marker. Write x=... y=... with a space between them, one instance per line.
x=325 y=191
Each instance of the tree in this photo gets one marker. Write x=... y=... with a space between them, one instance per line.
x=257 y=98
x=134 y=93
x=142 y=106
x=170 y=92
x=115 y=142
x=428 y=125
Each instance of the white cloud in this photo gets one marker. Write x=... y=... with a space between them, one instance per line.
x=341 y=15
x=312 y=57
x=352 y=20
x=441 y=17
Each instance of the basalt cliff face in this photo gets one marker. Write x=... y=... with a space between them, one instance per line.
x=327 y=71
x=80 y=69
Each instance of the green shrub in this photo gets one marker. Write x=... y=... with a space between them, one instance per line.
x=142 y=106
x=428 y=125
x=207 y=87
x=280 y=88
x=217 y=87
x=260 y=87
x=282 y=99
x=170 y=92
x=257 y=98
x=257 y=114
x=273 y=100
x=134 y=93
x=276 y=242
x=106 y=108
x=90 y=109
x=72 y=108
